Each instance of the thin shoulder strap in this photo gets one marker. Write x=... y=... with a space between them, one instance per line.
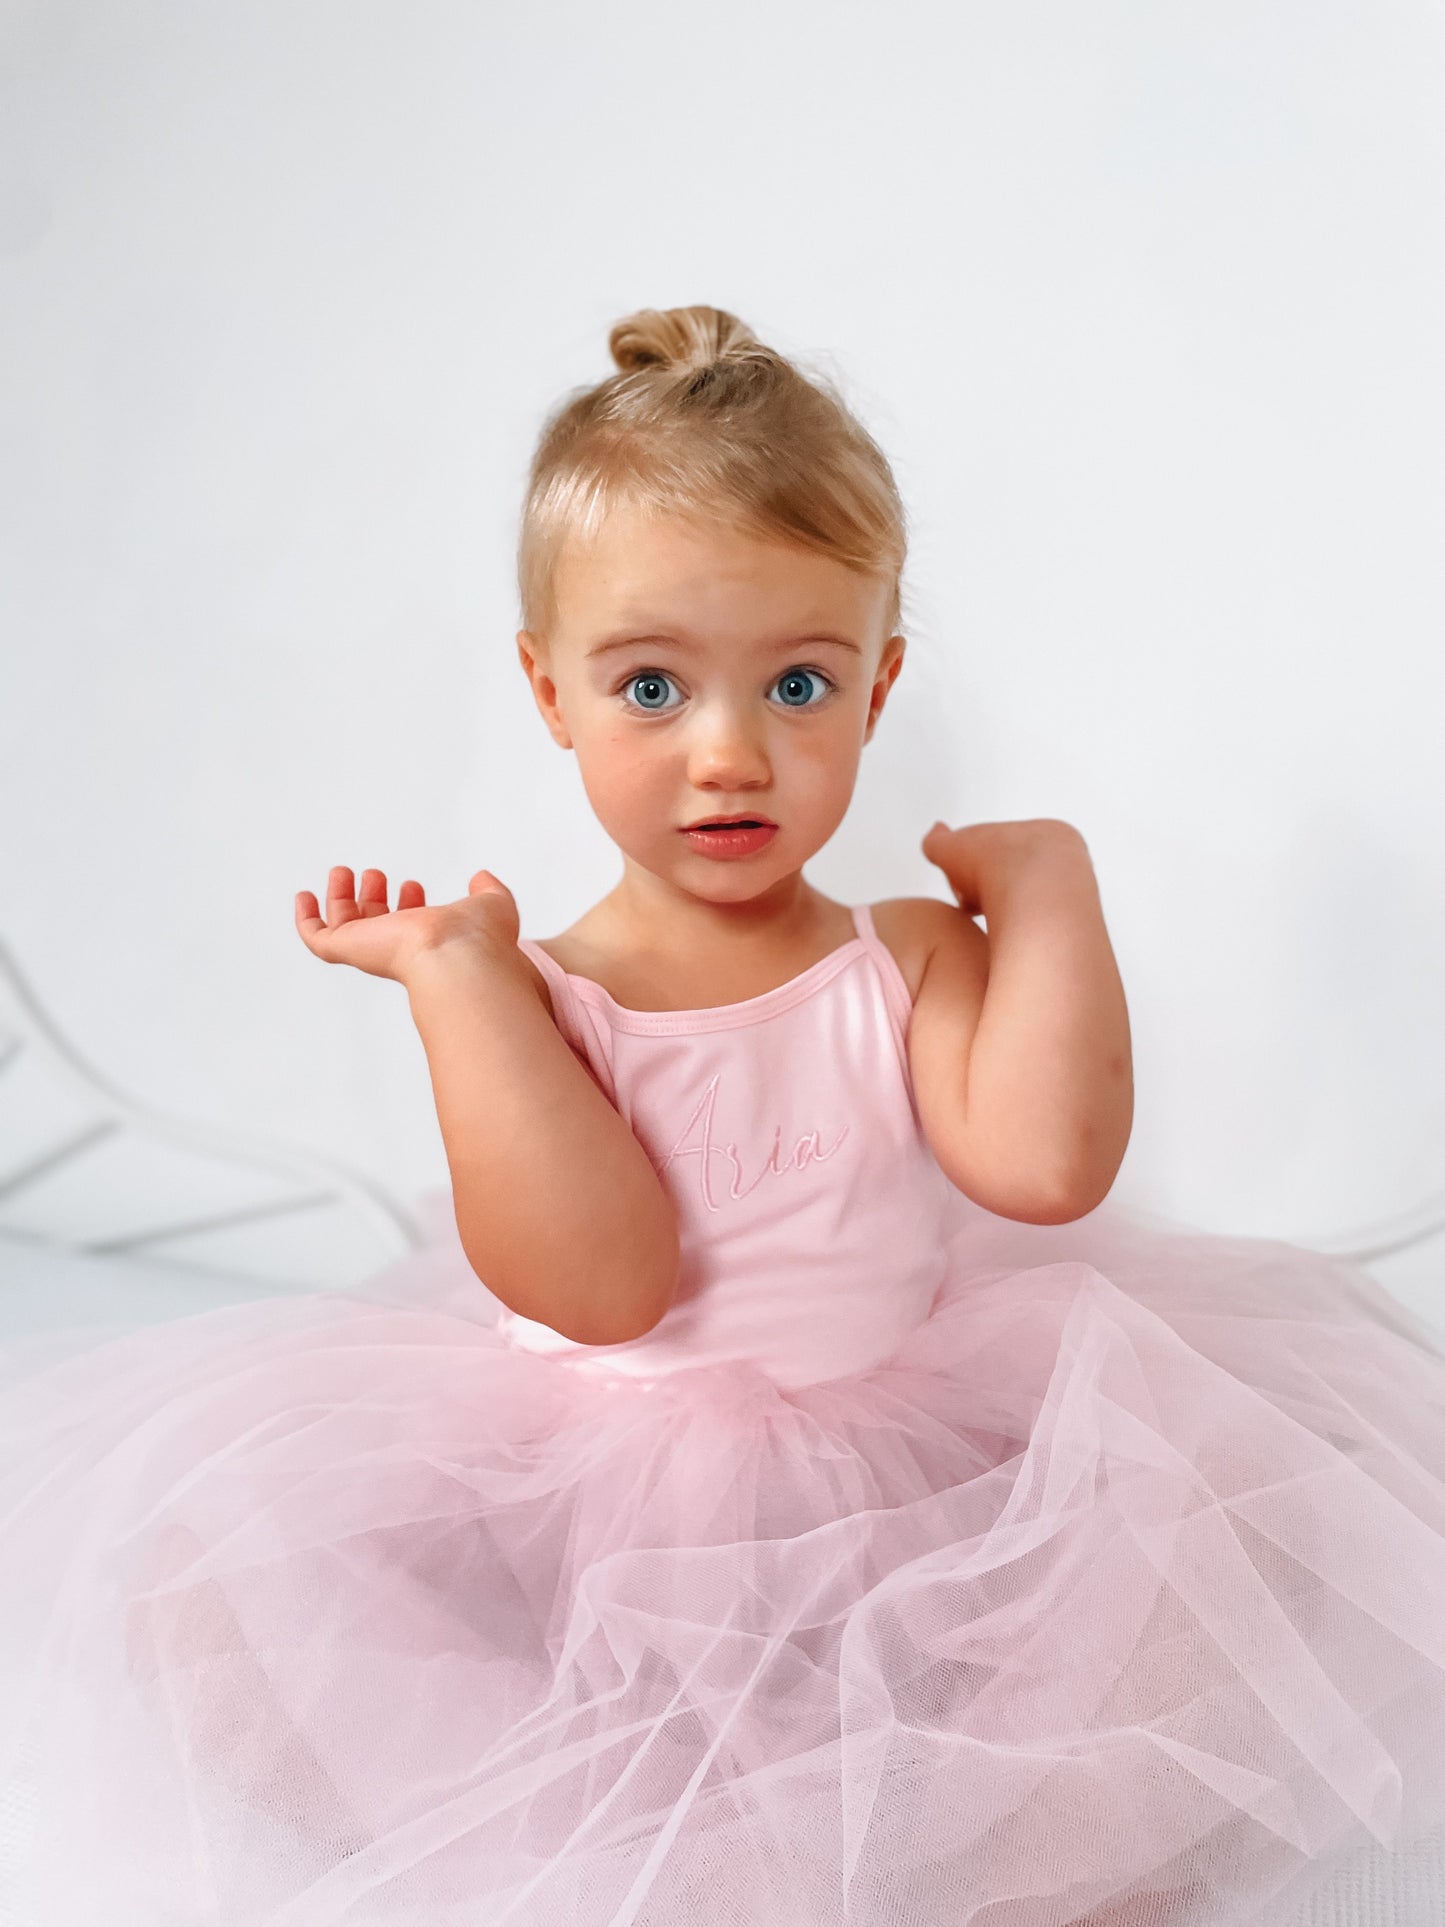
x=590 y=1040
x=564 y=1007
x=895 y=984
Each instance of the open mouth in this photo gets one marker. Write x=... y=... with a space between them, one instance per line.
x=741 y=837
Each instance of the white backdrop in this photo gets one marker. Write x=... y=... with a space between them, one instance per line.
x=1145 y=303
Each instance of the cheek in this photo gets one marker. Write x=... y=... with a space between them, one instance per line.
x=618 y=774
x=826 y=760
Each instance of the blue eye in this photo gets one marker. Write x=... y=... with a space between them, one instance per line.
x=652 y=685
x=794 y=677
x=649 y=679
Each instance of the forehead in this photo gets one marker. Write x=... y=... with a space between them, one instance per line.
x=652 y=575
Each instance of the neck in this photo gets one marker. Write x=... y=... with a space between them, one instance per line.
x=659 y=915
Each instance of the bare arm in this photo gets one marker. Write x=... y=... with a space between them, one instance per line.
x=558 y=1206
x=1025 y=1069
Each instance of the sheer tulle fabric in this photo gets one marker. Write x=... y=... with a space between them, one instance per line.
x=1113 y=1596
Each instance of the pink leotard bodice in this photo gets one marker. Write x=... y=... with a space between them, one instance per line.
x=811 y=1210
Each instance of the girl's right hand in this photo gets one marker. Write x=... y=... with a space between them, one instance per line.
x=360 y=930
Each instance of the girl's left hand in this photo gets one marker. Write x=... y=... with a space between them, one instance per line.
x=980 y=859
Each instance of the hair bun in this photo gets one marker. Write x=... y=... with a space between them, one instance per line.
x=681 y=338
x=703 y=420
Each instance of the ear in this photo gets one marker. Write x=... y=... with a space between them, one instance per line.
x=889 y=664
x=535 y=657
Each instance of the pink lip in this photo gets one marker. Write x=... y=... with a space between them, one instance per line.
x=730 y=842
x=734 y=816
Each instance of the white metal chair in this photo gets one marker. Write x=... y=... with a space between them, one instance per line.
x=87 y=1170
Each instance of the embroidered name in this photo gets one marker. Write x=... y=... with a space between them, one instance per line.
x=806 y=1151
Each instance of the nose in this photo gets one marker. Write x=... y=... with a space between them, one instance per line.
x=726 y=749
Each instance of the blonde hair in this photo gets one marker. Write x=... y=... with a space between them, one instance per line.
x=704 y=421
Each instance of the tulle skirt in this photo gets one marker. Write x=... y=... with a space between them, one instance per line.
x=1115 y=1596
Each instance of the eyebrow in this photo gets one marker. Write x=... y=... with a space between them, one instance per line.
x=629 y=640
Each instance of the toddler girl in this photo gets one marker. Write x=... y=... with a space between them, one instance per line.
x=788 y=1495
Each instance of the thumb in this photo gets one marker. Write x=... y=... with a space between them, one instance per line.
x=483 y=881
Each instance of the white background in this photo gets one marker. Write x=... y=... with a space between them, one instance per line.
x=1145 y=303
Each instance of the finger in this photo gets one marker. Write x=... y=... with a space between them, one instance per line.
x=371 y=897
x=308 y=918
x=410 y=896
x=341 y=906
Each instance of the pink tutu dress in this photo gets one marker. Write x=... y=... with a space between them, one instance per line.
x=919 y=1569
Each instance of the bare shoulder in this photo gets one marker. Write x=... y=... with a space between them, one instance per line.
x=949 y=956
x=916 y=929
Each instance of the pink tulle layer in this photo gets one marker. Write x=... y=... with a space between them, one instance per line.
x=1116 y=1596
